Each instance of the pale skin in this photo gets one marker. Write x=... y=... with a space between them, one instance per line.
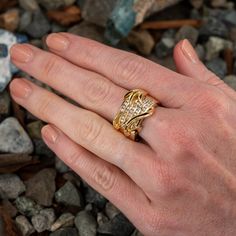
x=181 y=180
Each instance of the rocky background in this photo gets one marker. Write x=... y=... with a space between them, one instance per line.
x=39 y=195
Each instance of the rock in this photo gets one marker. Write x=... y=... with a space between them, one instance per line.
x=27 y=207
x=10 y=19
x=34 y=129
x=218 y=66
x=68 y=195
x=88 y=30
x=230 y=18
x=5 y=103
x=111 y=210
x=142 y=40
x=231 y=81
x=136 y=233
x=44 y=220
x=187 y=32
x=200 y=50
x=9 y=208
x=197 y=3
x=65 y=232
x=213 y=27
x=232 y=34
x=29 y=5
x=2 y=227
x=42 y=149
x=218 y=3
x=39 y=22
x=86 y=224
x=55 y=4
x=25 y=20
x=164 y=48
x=101 y=219
x=118 y=226
x=41 y=187
x=3 y=50
x=65 y=220
x=73 y=178
x=13 y=138
x=11 y=186
x=7 y=39
x=92 y=196
x=60 y=166
x=24 y=225
x=97 y=12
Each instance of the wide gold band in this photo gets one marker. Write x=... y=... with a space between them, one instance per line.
x=137 y=105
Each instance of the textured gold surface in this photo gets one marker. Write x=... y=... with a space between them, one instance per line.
x=135 y=107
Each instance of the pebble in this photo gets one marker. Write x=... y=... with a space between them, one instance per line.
x=24 y=225
x=118 y=226
x=136 y=233
x=44 y=220
x=218 y=66
x=27 y=207
x=197 y=3
x=142 y=40
x=218 y=3
x=9 y=208
x=41 y=187
x=165 y=47
x=111 y=210
x=231 y=81
x=65 y=232
x=10 y=19
x=2 y=227
x=34 y=129
x=230 y=18
x=42 y=149
x=187 y=32
x=55 y=4
x=5 y=103
x=25 y=20
x=29 y=5
x=200 y=50
x=60 y=166
x=13 y=137
x=3 y=50
x=101 y=219
x=65 y=220
x=7 y=39
x=39 y=22
x=68 y=195
x=11 y=186
x=86 y=224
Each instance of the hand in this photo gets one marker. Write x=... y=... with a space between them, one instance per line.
x=181 y=179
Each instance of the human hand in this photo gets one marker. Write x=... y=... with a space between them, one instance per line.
x=181 y=179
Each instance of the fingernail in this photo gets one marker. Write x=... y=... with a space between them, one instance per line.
x=20 y=88
x=189 y=51
x=50 y=134
x=21 y=53
x=57 y=42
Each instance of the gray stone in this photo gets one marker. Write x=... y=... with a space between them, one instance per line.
x=27 y=207
x=88 y=30
x=65 y=220
x=197 y=3
x=42 y=149
x=92 y=196
x=231 y=81
x=8 y=39
x=165 y=47
x=111 y=210
x=86 y=224
x=60 y=166
x=54 y=4
x=68 y=195
x=39 y=22
x=5 y=103
x=200 y=50
x=29 y=5
x=65 y=232
x=101 y=219
x=34 y=129
x=218 y=3
x=136 y=233
x=142 y=40
x=187 y=32
x=13 y=137
x=97 y=12
x=11 y=186
x=41 y=187
x=217 y=66
x=25 y=20
x=230 y=18
x=24 y=225
x=44 y=220
x=118 y=226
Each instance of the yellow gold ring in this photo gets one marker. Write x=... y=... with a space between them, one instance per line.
x=137 y=105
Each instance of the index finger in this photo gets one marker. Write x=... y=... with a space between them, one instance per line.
x=123 y=68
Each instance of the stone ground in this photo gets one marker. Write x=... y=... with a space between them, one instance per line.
x=40 y=195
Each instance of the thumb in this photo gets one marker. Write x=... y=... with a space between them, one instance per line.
x=188 y=63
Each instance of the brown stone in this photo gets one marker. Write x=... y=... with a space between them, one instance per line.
x=10 y=20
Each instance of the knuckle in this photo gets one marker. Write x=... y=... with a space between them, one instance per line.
x=75 y=157
x=97 y=91
x=104 y=177
x=130 y=68
x=51 y=67
x=90 y=130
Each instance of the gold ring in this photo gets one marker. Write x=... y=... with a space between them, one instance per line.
x=137 y=105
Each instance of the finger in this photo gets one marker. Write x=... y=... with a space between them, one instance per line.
x=107 y=179
x=123 y=68
x=85 y=128
x=188 y=63
x=89 y=89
